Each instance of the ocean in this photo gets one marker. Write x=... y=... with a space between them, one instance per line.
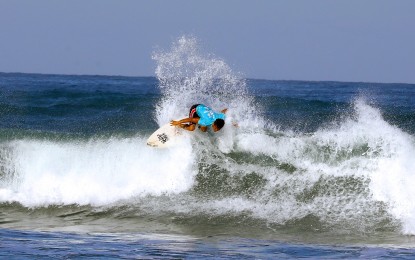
x=321 y=170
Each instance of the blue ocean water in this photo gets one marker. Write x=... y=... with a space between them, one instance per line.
x=313 y=169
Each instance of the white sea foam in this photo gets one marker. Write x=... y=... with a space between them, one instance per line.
x=97 y=172
x=362 y=146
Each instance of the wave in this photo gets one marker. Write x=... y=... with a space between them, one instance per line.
x=355 y=174
x=360 y=170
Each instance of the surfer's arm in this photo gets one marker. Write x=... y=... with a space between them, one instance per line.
x=193 y=120
x=183 y=123
x=224 y=112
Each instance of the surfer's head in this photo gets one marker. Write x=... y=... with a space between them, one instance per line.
x=218 y=124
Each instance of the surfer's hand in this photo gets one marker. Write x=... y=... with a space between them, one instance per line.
x=224 y=110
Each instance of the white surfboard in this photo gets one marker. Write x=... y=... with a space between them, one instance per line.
x=165 y=136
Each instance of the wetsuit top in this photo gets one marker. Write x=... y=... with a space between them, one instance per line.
x=207 y=115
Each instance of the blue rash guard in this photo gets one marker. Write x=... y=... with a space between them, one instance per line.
x=207 y=115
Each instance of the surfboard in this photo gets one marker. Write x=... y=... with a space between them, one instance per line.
x=165 y=136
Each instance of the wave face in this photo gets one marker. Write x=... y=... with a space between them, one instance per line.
x=306 y=157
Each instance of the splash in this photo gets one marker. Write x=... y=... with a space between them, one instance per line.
x=188 y=76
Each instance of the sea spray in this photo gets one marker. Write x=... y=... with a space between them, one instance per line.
x=188 y=76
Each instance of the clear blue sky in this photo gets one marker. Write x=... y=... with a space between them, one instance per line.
x=347 y=40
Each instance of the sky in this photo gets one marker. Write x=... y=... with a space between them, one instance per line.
x=319 y=40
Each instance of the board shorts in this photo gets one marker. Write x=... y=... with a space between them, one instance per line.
x=192 y=112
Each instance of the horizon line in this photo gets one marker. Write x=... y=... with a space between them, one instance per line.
x=247 y=78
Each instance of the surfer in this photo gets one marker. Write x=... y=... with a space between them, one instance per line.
x=204 y=116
